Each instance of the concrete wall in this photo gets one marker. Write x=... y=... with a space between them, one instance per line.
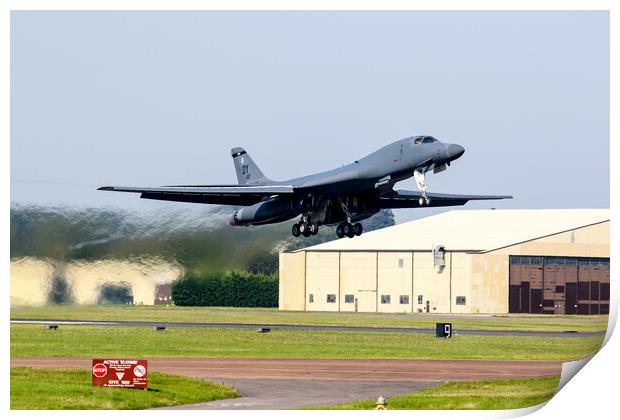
x=358 y=276
x=366 y=277
x=369 y=276
x=322 y=272
x=292 y=292
x=461 y=273
x=395 y=271
x=431 y=283
x=489 y=284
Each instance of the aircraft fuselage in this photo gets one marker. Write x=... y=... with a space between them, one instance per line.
x=326 y=196
x=397 y=160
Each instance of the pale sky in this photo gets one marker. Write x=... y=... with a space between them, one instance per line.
x=158 y=98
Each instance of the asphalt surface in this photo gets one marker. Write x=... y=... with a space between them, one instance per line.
x=270 y=394
x=455 y=329
x=295 y=383
x=365 y=370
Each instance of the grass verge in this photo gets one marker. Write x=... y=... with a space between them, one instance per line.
x=470 y=395
x=71 y=389
x=92 y=341
x=273 y=316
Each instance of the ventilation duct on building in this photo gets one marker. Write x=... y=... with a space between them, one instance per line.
x=438 y=256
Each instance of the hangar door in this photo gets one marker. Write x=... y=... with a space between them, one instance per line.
x=559 y=285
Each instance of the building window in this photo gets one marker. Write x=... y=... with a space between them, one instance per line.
x=331 y=298
x=385 y=299
x=593 y=261
x=420 y=299
x=557 y=260
x=310 y=298
x=400 y=263
x=349 y=298
x=404 y=299
x=460 y=300
x=559 y=289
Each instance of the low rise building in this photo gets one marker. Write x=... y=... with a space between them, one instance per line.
x=462 y=261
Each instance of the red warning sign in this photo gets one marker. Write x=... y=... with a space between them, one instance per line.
x=122 y=373
x=99 y=370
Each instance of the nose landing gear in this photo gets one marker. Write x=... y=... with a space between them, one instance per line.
x=424 y=200
x=421 y=183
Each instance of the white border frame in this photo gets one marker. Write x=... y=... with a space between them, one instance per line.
x=591 y=393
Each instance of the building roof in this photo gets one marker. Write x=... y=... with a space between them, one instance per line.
x=469 y=230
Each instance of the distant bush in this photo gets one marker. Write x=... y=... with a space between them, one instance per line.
x=264 y=263
x=232 y=288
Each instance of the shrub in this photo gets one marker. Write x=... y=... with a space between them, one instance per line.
x=232 y=288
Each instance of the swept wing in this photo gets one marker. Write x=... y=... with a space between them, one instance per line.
x=234 y=195
x=407 y=199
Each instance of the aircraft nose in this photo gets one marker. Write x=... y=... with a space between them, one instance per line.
x=455 y=151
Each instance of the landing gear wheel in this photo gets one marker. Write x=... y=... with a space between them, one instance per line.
x=340 y=230
x=304 y=229
x=348 y=230
x=295 y=230
x=357 y=229
x=421 y=201
x=314 y=228
x=428 y=200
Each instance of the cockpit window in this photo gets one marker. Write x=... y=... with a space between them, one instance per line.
x=424 y=139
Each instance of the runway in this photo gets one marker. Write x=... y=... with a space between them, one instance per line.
x=456 y=330
x=293 y=383
x=327 y=369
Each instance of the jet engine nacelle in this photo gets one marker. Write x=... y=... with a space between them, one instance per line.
x=272 y=210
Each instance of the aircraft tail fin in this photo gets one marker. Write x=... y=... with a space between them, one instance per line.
x=247 y=171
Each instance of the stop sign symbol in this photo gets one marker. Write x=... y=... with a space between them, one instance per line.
x=100 y=370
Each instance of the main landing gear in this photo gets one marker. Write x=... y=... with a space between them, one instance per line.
x=349 y=230
x=304 y=228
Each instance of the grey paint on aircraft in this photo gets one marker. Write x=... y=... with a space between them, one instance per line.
x=342 y=196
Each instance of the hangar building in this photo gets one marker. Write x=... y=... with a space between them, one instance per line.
x=464 y=261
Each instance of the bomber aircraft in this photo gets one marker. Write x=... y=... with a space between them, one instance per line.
x=342 y=196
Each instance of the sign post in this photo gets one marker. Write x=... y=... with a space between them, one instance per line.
x=121 y=373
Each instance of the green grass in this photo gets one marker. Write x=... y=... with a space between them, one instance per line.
x=471 y=395
x=273 y=316
x=62 y=389
x=92 y=341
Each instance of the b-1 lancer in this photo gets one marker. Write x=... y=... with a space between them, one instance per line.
x=342 y=196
